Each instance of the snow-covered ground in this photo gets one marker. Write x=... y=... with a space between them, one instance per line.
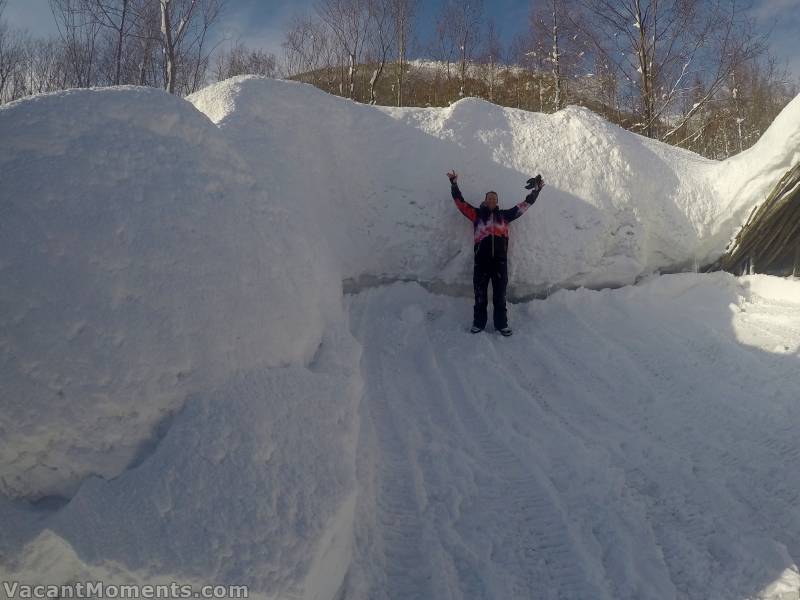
x=635 y=443
x=188 y=393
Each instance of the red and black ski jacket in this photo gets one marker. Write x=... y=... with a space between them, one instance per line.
x=491 y=226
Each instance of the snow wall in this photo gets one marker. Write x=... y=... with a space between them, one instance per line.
x=179 y=382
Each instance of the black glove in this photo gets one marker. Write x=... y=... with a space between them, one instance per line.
x=535 y=183
x=453 y=177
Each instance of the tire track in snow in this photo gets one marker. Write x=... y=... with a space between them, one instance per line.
x=544 y=559
x=526 y=545
x=611 y=448
x=682 y=520
x=543 y=363
x=397 y=538
x=691 y=528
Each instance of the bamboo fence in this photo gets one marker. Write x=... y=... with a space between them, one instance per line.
x=769 y=242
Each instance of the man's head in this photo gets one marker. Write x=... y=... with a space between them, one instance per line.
x=491 y=200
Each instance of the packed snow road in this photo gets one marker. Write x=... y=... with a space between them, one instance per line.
x=636 y=443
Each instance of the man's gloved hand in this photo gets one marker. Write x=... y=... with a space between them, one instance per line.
x=452 y=176
x=535 y=183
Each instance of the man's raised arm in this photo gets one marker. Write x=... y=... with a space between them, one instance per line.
x=465 y=207
x=535 y=185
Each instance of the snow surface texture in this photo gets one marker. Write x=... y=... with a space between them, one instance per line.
x=143 y=262
x=635 y=443
x=616 y=206
x=181 y=387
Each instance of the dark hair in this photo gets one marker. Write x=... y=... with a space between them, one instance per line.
x=490 y=192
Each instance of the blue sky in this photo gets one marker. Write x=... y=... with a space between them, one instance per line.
x=262 y=22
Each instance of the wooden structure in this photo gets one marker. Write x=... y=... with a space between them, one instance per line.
x=769 y=242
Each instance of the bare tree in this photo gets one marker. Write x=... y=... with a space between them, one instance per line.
x=241 y=60
x=403 y=13
x=45 y=67
x=349 y=20
x=742 y=110
x=445 y=46
x=683 y=71
x=12 y=55
x=298 y=45
x=382 y=34
x=555 y=55
x=519 y=54
x=731 y=43
x=309 y=52
x=659 y=46
x=465 y=28
x=458 y=36
x=531 y=55
x=492 y=57
x=560 y=44
x=605 y=88
x=184 y=30
x=118 y=17
x=79 y=33
x=175 y=17
x=13 y=43
x=197 y=51
x=145 y=67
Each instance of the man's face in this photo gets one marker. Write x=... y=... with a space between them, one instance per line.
x=491 y=200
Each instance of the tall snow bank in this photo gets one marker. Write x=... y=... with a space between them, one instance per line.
x=173 y=355
x=140 y=260
x=617 y=205
x=744 y=181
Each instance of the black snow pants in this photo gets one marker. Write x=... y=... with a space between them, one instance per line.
x=494 y=269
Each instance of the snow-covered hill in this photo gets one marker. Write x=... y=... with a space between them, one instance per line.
x=188 y=395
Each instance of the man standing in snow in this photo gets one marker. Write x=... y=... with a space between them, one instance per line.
x=490 y=225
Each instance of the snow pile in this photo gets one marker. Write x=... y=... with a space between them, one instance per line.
x=744 y=180
x=252 y=484
x=180 y=383
x=617 y=205
x=142 y=263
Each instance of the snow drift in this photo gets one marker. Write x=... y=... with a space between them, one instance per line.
x=142 y=262
x=617 y=205
x=131 y=235
x=177 y=366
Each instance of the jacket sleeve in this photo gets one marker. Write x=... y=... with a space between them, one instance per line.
x=465 y=207
x=517 y=211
